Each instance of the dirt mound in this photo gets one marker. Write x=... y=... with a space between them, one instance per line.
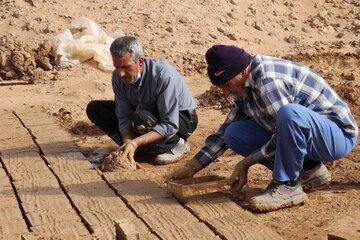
x=214 y=98
x=189 y=63
x=85 y=128
x=117 y=161
x=18 y=61
x=328 y=65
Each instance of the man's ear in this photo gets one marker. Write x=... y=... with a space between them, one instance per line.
x=141 y=61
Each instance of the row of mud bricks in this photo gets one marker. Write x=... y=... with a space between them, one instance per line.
x=49 y=190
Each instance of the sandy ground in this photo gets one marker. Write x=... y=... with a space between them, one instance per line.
x=321 y=34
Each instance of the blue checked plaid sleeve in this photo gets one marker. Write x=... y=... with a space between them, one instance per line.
x=214 y=145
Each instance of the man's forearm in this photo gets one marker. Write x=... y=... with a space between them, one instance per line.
x=126 y=134
x=147 y=138
x=250 y=160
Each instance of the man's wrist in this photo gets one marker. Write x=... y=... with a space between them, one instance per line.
x=141 y=140
x=195 y=164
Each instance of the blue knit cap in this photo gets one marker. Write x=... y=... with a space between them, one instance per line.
x=225 y=62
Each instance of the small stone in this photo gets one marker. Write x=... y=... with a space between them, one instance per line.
x=231 y=36
x=170 y=29
x=258 y=26
x=292 y=39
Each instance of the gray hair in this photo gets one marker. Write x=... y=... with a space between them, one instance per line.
x=123 y=45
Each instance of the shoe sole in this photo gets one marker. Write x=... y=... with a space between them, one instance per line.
x=165 y=162
x=316 y=182
x=268 y=208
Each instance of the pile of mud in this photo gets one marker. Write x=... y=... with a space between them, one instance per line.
x=215 y=99
x=116 y=161
x=18 y=61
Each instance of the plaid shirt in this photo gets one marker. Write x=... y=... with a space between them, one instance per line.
x=271 y=84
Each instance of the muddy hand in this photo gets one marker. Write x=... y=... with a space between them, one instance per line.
x=187 y=171
x=128 y=149
x=239 y=176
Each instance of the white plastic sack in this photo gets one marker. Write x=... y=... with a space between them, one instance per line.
x=82 y=40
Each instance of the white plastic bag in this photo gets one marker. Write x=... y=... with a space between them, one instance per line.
x=82 y=40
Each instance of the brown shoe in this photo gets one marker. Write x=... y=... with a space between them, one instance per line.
x=315 y=177
x=278 y=195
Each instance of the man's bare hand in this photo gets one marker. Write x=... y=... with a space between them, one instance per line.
x=187 y=171
x=128 y=149
x=239 y=175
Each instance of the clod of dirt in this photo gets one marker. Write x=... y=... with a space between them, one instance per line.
x=20 y=62
x=117 y=161
x=85 y=128
x=350 y=93
x=214 y=98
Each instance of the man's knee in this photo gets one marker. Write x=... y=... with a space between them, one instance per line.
x=91 y=110
x=143 y=121
x=290 y=113
x=231 y=138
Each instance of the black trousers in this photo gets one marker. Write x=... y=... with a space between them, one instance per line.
x=102 y=114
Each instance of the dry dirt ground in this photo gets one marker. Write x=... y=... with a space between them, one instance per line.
x=322 y=34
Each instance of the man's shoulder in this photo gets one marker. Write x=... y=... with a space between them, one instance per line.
x=161 y=69
x=157 y=64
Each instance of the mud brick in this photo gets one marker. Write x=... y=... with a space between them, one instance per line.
x=126 y=175
x=233 y=220
x=10 y=214
x=106 y=218
x=63 y=166
x=137 y=190
x=103 y=232
x=36 y=203
x=59 y=147
x=248 y=232
x=6 y=116
x=15 y=146
x=49 y=182
x=140 y=226
x=8 y=201
x=15 y=227
x=140 y=236
x=70 y=156
x=64 y=235
x=29 y=113
x=214 y=208
x=22 y=157
x=53 y=139
x=4 y=182
x=67 y=165
x=19 y=163
x=2 y=172
x=48 y=131
x=153 y=206
x=27 y=174
x=41 y=191
x=24 y=166
x=12 y=236
x=76 y=228
x=166 y=220
x=24 y=141
x=91 y=189
x=37 y=120
x=15 y=132
x=97 y=204
x=84 y=177
x=189 y=231
x=58 y=218
x=124 y=228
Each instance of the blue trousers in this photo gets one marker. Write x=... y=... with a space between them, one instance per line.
x=300 y=133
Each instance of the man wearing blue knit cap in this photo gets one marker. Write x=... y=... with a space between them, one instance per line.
x=285 y=116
